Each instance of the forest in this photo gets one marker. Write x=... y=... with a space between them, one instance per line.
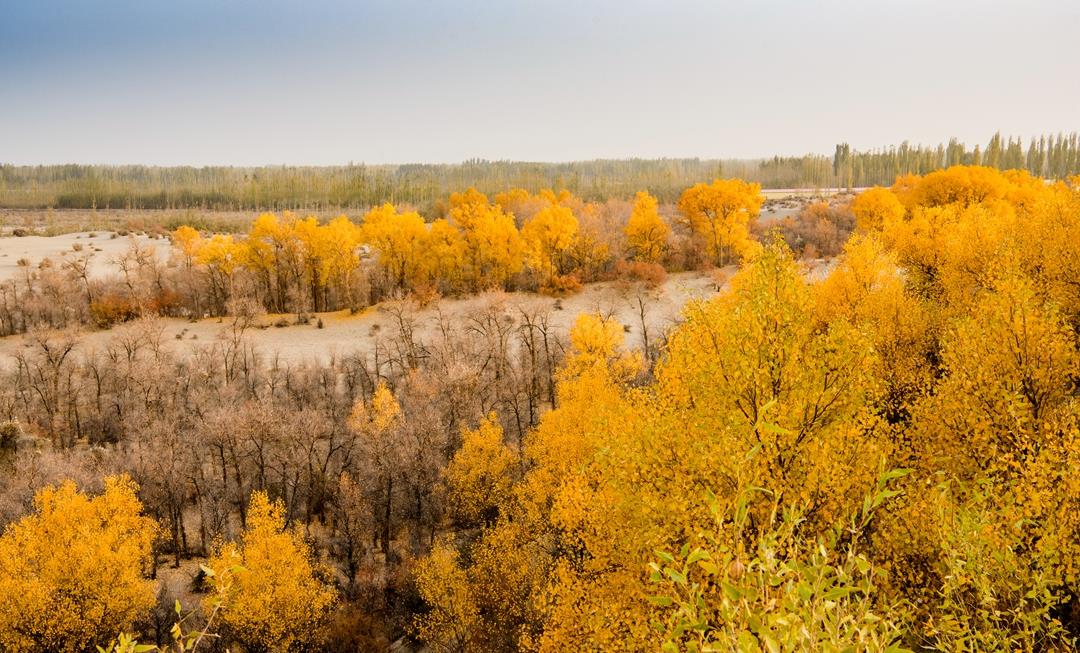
x=882 y=457
x=426 y=186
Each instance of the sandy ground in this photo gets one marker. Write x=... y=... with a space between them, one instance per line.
x=343 y=334
x=102 y=248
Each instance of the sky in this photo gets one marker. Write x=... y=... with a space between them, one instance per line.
x=239 y=82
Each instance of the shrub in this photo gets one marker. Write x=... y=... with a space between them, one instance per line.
x=564 y=284
x=651 y=274
x=10 y=432
x=112 y=309
x=992 y=597
x=776 y=590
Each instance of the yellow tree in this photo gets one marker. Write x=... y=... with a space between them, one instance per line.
x=749 y=372
x=754 y=370
x=398 y=239
x=277 y=602
x=72 y=573
x=328 y=253
x=273 y=254
x=721 y=214
x=500 y=591
x=961 y=185
x=617 y=473
x=338 y=256
x=187 y=240
x=646 y=233
x=480 y=475
x=876 y=207
x=492 y=248
x=548 y=237
x=313 y=252
x=454 y=623
x=222 y=256
x=867 y=289
x=1007 y=411
x=441 y=257
x=520 y=203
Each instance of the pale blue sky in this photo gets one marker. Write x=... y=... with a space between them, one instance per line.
x=318 y=82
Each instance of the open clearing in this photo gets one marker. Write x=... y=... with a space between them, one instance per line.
x=344 y=334
x=102 y=248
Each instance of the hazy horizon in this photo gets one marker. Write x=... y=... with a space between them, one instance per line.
x=327 y=83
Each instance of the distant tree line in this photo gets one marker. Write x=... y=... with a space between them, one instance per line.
x=1049 y=156
x=426 y=187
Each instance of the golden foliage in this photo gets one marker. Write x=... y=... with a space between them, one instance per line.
x=549 y=236
x=876 y=207
x=453 y=623
x=73 y=573
x=944 y=339
x=646 y=233
x=492 y=247
x=277 y=601
x=480 y=475
x=720 y=213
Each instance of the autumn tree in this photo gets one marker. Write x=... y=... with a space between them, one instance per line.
x=397 y=238
x=480 y=475
x=1006 y=411
x=378 y=423
x=876 y=207
x=721 y=213
x=222 y=256
x=749 y=371
x=492 y=249
x=867 y=288
x=453 y=625
x=441 y=258
x=646 y=233
x=548 y=237
x=278 y=602
x=189 y=241
x=272 y=252
x=73 y=573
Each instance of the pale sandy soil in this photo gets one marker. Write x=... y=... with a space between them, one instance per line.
x=345 y=334
x=102 y=248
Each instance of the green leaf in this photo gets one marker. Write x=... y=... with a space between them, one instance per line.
x=732 y=592
x=862 y=564
x=838 y=592
x=748 y=642
x=770 y=643
x=893 y=474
